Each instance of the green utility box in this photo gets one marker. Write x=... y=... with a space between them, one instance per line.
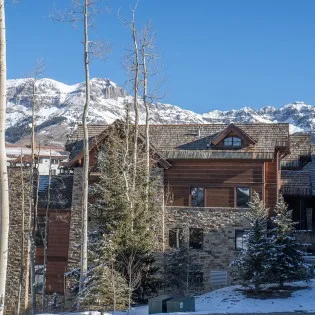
x=158 y=304
x=184 y=304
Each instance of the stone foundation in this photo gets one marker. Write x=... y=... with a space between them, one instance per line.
x=219 y=225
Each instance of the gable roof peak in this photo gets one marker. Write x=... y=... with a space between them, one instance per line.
x=237 y=130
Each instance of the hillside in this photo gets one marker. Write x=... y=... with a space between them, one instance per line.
x=60 y=109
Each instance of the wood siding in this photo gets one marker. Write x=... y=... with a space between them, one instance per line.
x=219 y=178
x=58 y=245
x=271 y=186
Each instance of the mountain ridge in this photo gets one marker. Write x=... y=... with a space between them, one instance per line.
x=59 y=109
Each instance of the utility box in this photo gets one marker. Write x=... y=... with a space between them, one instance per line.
x=158 y=304
x=184 y=304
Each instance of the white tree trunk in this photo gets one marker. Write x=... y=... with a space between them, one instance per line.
x=85 y=180
x=147 y=123
x=136 y=109
x=4 y=186
x=22 y=238
x=46 y=236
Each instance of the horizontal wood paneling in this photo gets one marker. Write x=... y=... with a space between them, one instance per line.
x=271 y=184
x=219 y=177
x=220 y=197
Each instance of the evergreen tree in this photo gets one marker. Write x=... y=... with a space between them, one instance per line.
x=287 y=254
x=252 y=267
x=105 y=289
x=182 y=271
x=121 y=214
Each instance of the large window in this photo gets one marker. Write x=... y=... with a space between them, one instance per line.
x=196 y=238
x=175 y=238
x=240 y=239
x=232 y=142
x=242 y=197
x=197 y=197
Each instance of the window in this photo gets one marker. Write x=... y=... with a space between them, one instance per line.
x=52 y=172
x=197 y=197
x=242 y=197
x=40 y=232
x=196 y=238
x=39 y=278
x=240 y=239
x=232 y=142
x=175 y=238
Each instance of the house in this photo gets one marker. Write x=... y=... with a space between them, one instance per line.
x=210 y=172
x=46 y=157
x=298 y=186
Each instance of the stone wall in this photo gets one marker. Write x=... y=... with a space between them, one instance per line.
x=15 y=240
x=219 y=225
x=75 y=221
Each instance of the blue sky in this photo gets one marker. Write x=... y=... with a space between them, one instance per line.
x=214 y=54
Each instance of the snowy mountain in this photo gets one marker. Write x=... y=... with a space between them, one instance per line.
x=59 y=109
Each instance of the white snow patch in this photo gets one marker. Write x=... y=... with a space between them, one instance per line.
x=232 y=300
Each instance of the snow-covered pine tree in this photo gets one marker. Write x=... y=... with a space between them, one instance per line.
x=287 y=253
x=252 y=267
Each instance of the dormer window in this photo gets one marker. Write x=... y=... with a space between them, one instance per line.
x=232 y=142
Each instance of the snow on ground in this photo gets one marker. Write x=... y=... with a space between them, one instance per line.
x=231 y=300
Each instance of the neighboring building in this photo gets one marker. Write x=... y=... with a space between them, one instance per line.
x=43 y=156
x=210 y=173
x=298 y=186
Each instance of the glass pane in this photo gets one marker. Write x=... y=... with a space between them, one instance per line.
x=196 y=238
x=242 y=197
x=239 y=239
x=197 y=197
x=228 y=141
x=236 y=142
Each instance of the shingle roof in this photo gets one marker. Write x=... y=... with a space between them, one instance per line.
x=300 y=145
x=296 y=183
x=94 y=130
x=192 y=141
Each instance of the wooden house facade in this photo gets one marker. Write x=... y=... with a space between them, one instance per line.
x=210 y=172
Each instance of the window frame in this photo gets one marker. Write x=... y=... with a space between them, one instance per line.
x=191 y=196
x=235 y=196
x=233 y=139
x=244 y=246
x=195 y=244
x=179 y=237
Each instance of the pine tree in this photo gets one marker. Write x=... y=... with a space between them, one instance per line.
x=252 y=267
x=182 y=271
x=121 y=213
x=287 y=254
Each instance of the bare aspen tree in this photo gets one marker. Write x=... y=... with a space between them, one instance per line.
x=4 y=190
x=18 y=310
x=46 y=235
x=135 y=69
x=34 y=184
x=81 y=12
x=83 y=269
x=146 y=47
